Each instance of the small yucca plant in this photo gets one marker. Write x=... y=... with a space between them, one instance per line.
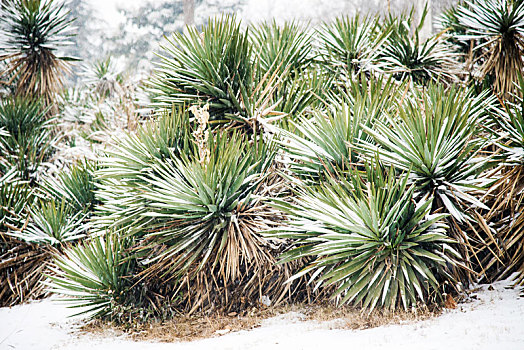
x=367 y=237
x=406 y=56
x=52 y=223
x=94 y=276
x=351 y=46
x=28 y=140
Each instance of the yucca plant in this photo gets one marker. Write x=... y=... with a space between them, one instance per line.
x=94 y=276
x=367 y=237
x=214 y=67
x=194 y=210
x=32 y=32
x=29 y=139
x=52 y=223
x=284 y=55
x=104 y=79
x=406 y=56
x=436 y=136
x=351 y=46
x=504 y=237
x=323 y=143
x=220 y=67
x=497 y=27
x=76 y=185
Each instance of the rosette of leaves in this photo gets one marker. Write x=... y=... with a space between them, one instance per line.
x=407 y=56
x=351 y=46
x=32 y=33
x=52 y=223
x=28 y=141
x=323 y=142
x=95 y=276
x=436 y=136
x=497 y=27
x=368 y=238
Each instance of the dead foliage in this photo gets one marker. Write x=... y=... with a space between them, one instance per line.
x=21 y=271
x=199 y=325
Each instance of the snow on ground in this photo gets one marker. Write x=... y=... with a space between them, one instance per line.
x=495 y=320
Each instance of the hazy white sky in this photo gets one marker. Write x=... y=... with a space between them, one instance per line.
x=108 y=8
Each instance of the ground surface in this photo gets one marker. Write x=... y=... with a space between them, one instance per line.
x=493 y=319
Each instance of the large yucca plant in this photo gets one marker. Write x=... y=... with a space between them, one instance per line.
x=193 y=209
x=498 y=30
x=32 y=32
x=214 y=67
x=369 y=239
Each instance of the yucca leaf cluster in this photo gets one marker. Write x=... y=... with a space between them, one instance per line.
x=32 y=32
x=370 y=239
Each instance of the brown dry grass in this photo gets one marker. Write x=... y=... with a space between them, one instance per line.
x=189 y=328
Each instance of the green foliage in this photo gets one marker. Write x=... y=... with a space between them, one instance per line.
x=406 y=56
x=250 y=80
x=497 y=28
x=325 y=144
x=453 y=31
x=436 y=137
x=75 y=185
x=351 y=46
x=94 y=276
x=367 y=237
x=32 y=32
x=28 y=140
x=282 y=49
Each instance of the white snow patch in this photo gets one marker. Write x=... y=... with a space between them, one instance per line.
x=494 y=320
